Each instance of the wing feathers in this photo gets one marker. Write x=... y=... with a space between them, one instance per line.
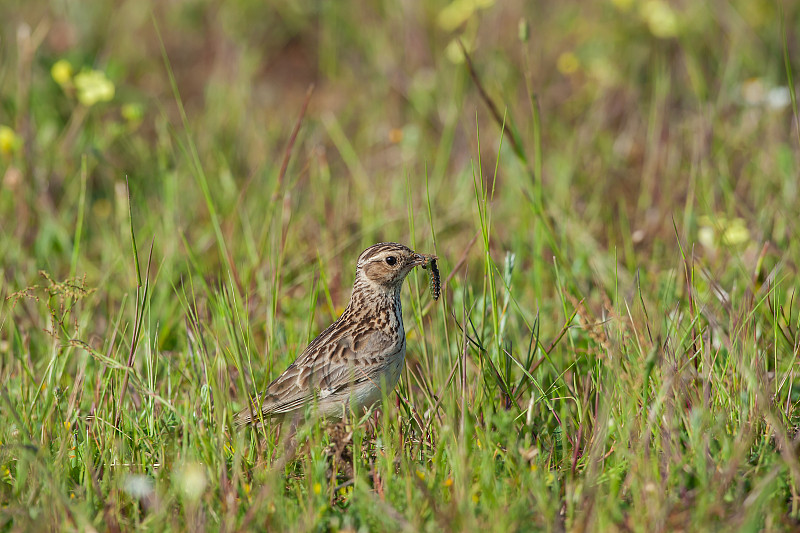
x=325 y=369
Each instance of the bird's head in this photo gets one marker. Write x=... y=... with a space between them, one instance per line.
x=384 y=266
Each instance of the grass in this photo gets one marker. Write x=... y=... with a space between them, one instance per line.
x=611 y=190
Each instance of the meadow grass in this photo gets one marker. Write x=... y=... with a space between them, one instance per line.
x=611 y=189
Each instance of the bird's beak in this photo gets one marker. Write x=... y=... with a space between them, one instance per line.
x=423 y=259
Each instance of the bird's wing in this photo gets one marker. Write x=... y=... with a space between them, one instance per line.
x=332 y=362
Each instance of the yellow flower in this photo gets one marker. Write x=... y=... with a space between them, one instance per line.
x=454 y=53
x=448 y=482
x=723 y=231
x=421 y=475
x=567 y=63
x=93 y=86
x=61 y=71
x=9 y=142
x=660 y=18
x=317 y=488
x=459 y=11
x=736 y=233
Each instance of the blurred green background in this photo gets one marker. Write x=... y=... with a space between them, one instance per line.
x=649 y=111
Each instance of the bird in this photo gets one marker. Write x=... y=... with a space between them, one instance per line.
x=355 y=360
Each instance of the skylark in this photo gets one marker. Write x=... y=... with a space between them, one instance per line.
x=358 y=357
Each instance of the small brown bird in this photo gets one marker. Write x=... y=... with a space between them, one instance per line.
x=356 y=358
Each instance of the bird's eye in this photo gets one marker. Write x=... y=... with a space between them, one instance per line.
x=391 y=260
